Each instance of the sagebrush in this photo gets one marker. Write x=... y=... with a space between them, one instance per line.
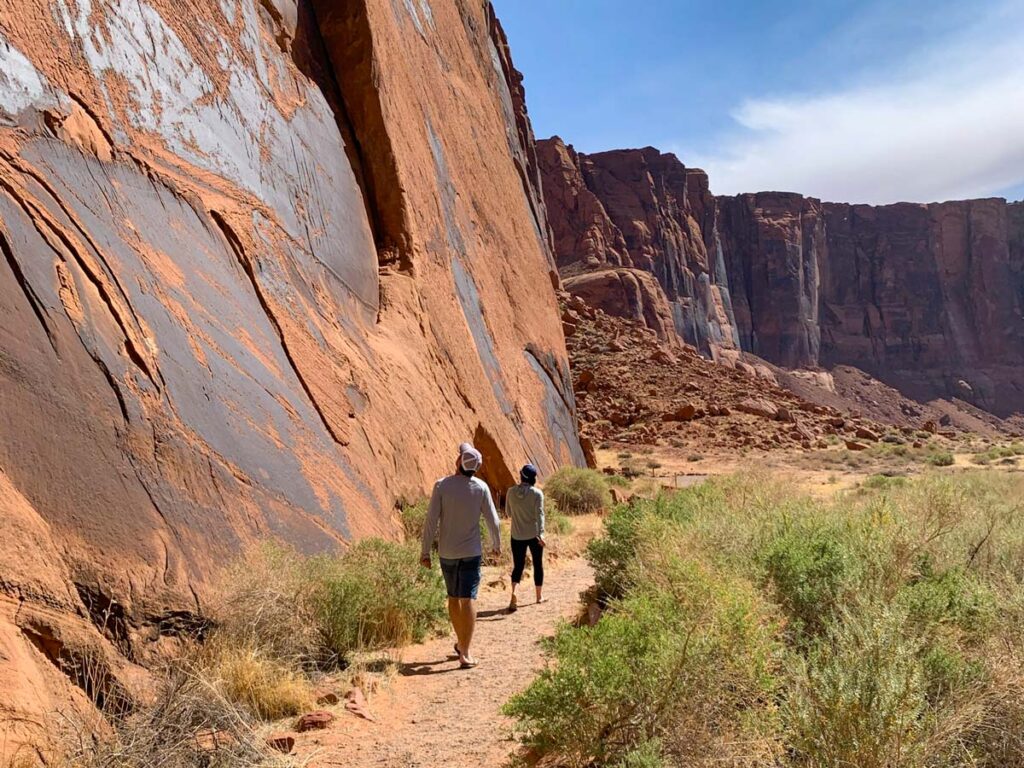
x=746 y=624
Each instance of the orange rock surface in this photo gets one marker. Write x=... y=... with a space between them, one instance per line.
x=263 y=265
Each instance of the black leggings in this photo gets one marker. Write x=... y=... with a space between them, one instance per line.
x=519 y=548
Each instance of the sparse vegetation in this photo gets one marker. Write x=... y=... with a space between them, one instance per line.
x=940 y=459
x=189 y=724
x=998 y=453
x=749 y=625
x=281 y=620
x=578 y=491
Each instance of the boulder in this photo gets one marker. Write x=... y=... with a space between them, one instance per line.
x=281 y=741
x=866 y=434
x=685 y=412
x=314 y=721
x=757 y=406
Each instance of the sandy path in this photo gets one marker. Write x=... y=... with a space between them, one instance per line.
x=434 y=714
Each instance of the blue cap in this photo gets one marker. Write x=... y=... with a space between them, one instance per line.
x=528 y=473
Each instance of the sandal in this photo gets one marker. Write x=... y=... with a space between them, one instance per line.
x=468 y=664
x=512 y=607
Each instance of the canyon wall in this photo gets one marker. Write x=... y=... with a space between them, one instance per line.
x=264 y=264
x=640 y=210
x=928 y=298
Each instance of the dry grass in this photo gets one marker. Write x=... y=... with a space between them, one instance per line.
x=267 y=687
x=190 y=725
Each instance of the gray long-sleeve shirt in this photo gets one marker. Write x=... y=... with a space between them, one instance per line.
x=455 y=507
x=525 y=505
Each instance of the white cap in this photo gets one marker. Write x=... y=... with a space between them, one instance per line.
x=469 y=458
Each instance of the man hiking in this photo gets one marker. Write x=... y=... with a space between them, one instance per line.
x=456 y=505
x=525 y=505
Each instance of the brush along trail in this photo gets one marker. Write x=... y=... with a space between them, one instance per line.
x=433 y=714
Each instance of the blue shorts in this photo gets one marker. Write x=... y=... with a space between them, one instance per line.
x=461 y=576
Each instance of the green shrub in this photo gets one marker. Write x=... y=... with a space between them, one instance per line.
x=811 y=568
x=647 y=754
x=375 y=596
x=940 y=459
x=611 y=554
x=555 y=522
x=671 y=673
x=879 y=629
x=954 y=596
x=858 y=697
x=616 y=481
x=414 y=518
x=883 y=482
x=578 y=491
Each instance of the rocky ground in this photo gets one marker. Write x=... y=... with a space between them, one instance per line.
x=631 y=388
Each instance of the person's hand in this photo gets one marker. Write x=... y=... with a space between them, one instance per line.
x=540 y=540
x=495 y=552
x=425 y=562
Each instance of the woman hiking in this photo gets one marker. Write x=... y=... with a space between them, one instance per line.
x=525 y=505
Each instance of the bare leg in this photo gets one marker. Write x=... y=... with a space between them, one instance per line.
x=455 y=616
x=540 y=596
x=467 y=610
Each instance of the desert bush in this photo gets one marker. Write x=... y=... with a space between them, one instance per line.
x=375 y=596
x=616 y=481
x=940 y=459
x=858 y=696
x=881 y=628
x=578 y=491
x=311 y=612
x=414 y=518
x=670 y=673
x=190 y=724
x=263 y=604
x=882 y=482
x=555 y=521
x=812 y=569
x=998 y=452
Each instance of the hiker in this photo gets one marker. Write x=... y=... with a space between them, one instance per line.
x=456 y=505
x=525 y=505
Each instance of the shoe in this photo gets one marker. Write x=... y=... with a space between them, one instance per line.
x=512 y=605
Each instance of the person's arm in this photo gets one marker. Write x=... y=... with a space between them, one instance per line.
x=430 y=526
x=540 y=514
x=491 y=518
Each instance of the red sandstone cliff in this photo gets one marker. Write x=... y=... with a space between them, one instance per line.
x=643 y=210
x=773 y=244
x=928 y=298
x=263 y=264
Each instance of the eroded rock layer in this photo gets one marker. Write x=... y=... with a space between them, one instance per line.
x=263 y=264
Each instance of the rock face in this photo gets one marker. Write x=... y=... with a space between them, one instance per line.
x=263 y=264
x=927 y=298
x=630 y=293
x=773 y=244
x=930 y=297
x=645 y=210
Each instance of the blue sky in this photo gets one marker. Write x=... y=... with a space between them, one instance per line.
x=866 y=101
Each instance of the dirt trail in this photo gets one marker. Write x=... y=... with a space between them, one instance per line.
x=434 y=714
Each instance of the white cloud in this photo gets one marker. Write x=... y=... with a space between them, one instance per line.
x=946 y=123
